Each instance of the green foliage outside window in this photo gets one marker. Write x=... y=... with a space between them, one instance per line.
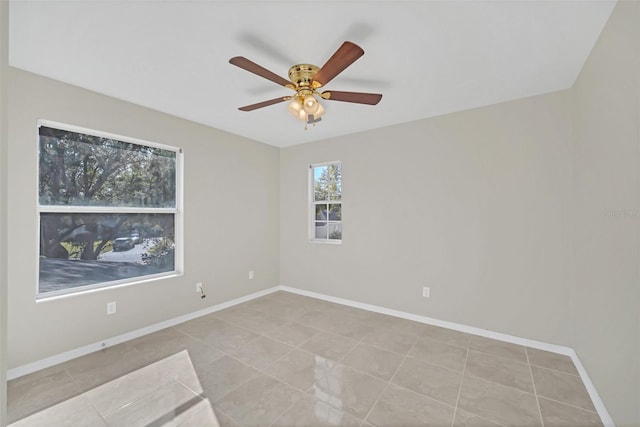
x=327 y=200
x=94 y=240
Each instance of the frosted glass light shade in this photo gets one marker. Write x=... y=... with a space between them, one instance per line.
x=311 y=105
x=295 y=108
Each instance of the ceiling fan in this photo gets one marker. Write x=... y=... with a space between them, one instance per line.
x=306 y=79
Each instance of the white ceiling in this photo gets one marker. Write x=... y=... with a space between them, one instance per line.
x=427 y=57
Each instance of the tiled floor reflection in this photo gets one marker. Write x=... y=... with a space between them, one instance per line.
x=289 y=360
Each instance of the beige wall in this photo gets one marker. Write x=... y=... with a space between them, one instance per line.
x=522 y=217
x=4 y=34
x=474 y=205
x=606 y=214
x=231 y=220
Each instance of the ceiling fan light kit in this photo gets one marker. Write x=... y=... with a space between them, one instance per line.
x=305 y=79
x=306 y=108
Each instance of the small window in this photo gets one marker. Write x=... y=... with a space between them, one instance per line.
x=108 y=210
x=326 y=202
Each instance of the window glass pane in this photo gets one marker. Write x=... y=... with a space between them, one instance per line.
x=79 y=249
x=326 y=206
x=335 y=231
x=337 y=194
x=334 y=182
x=77 y=169
x=320 y=183
x=320 y=230
x=321 y=212
x=335 y=212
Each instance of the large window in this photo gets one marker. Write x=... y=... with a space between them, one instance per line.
x=325 y=181
x=108 y=208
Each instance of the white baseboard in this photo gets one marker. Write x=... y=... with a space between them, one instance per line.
x=81 y=351
x=593 y=393
x=567 y=351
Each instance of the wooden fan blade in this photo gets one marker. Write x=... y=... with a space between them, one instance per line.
x=264 y=103
x=252 y=67
x=357 y=97
x=346 y=55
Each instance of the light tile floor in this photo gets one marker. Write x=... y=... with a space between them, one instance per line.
x=289 y=360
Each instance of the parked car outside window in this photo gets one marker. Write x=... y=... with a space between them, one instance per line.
x=123 y=243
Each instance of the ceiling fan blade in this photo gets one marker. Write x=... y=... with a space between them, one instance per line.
x=357 y=97
x=252 y=67
x=264 y=103
x=346 y=55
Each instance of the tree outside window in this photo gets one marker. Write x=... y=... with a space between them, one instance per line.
x=326 y=187
x=108 y=209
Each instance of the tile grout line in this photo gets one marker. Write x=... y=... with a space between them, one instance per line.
x=515 y=359
x=184 y=333
x=337 y=361
x=570 y=405
x=475 y=332
x=254 y=376
x=84 y=393
x=226 y=415
x=429 y=338
x=366 y=417
x=321 y=330
x=497 y=384
x=404 y=387
x=261 y=371
x=533 y=384
x=141 y=397
x=225 y=353
x=464 y=369
x=232 y=389
x=357 y=342
x=555 y=370
x=273 y=423
x=305 y=392
x=295 y=346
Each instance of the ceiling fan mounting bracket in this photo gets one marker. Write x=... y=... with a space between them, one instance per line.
x=301 y=75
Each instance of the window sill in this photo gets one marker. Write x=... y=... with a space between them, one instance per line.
x=326 y=241
x=52 y=296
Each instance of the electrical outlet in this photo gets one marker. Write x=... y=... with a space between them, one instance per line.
x=111 y=307
x=426 y=292
x=250 y=274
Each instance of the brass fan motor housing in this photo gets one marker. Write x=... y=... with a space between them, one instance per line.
x=301 y=75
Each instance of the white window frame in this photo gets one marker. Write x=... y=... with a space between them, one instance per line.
x=312 y=205
x=177 y=212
